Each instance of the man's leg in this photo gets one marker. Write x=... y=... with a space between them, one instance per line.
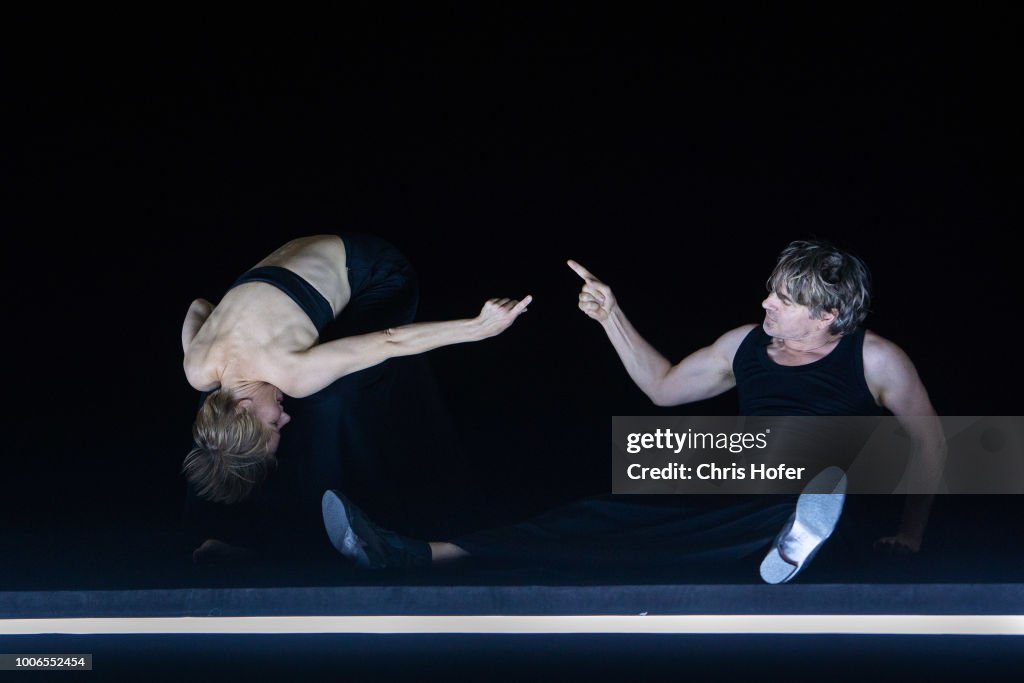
x=637 y=532
x=657 y=532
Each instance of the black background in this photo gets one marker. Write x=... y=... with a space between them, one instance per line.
x=150 y=161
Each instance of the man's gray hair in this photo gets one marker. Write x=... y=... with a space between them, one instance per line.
x=823 y=278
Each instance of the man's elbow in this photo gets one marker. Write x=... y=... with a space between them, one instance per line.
x=659 y=400
x=658 y=396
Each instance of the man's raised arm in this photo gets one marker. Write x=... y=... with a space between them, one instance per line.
x=310 y=371
x=703 y=374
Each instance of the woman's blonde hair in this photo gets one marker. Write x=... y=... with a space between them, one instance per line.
x=232 y=453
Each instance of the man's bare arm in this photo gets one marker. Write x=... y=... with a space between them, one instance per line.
x=894 y=379
x=310 y=371
x=703 y=374
x=197 y=314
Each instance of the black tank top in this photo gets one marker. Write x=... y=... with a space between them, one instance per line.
x=833 y=385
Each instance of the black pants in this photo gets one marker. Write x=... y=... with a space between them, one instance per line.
x=640 y=532
x=384 y=289
x=372 y=434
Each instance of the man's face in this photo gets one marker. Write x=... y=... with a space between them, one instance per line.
x=266 y=405
x=786 y=319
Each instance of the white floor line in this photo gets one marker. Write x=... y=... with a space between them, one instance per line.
x=888 y=624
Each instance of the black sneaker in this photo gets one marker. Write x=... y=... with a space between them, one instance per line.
x=357 y=538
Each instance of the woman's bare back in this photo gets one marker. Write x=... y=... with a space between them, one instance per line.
x=256 y=325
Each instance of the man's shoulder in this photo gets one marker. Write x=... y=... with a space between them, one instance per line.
x=882 y=356
x=877 y=345
x=734 y=337
x=893 y=379
x=739 y=333
x=727 y=344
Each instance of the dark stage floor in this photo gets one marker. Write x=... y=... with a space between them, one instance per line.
x=538 y=657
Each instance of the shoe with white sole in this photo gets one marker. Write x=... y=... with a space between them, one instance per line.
x=807 y=530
